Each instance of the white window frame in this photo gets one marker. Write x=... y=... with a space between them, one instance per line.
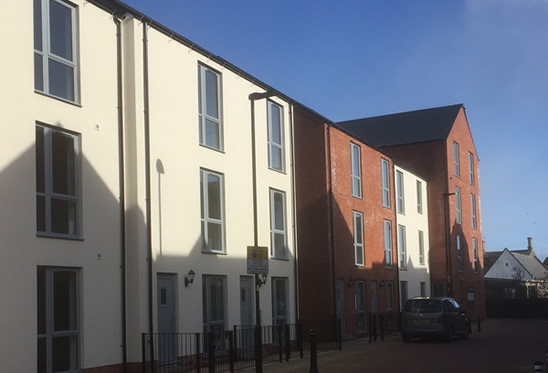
x=203 y=116
x=359 y=252
x=45 y=279
x=385 y=175
x=205 y=218
x=387 y=233
x=458 y=206
x=48 y=194
x=473 y=210
x=402 y=246
x=43 y=54
x=400 y=192
x=456 y=159
x=273 y=146
x=476 y=259
x=460 y=254
x=356 y=170
x=421 y=248
x=419 y=197
x=471 y=170
x=278 y=253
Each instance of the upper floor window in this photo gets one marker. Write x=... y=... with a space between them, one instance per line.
x=402 y=245
x=456 y=159
x=356 y=169
x=57 y=176
x=387 y=243
x=400 y=192
x=473 y=209
x=471 y=175
x=385 y=174
x=458 y=205
x=358 y=238
x=421 y=248
x=209 y=108
x=419 y=197
x=275 y=137
x=55 y=66
x=212 y=211
x=278 y=226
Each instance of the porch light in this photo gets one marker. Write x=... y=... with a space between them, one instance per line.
x=189 y=278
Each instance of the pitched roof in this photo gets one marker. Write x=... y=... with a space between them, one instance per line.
x=532 y=265
x=405 y=128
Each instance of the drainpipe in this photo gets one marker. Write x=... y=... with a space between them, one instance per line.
x=331 y=228
x=122 y=187
x=294 y=207
x=148 y=212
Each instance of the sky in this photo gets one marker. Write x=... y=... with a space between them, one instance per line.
x=350 y=59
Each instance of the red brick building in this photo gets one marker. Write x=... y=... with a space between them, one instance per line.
x=347 y=261
x=437 y=144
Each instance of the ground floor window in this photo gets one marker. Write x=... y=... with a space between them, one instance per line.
x=360 y=307
x=280 y=304
x=58 y=321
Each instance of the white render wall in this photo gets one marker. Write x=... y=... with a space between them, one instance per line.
x=507 y=267
x=176 y=158
x=415 y=273
x=21 y=250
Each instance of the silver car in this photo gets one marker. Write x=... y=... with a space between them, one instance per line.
x=425 y=317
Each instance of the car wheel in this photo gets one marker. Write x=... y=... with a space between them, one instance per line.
x=465 y=332
x=406 y=338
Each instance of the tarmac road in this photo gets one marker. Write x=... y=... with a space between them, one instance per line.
x=504 y=345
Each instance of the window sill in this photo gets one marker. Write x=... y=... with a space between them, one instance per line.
x=222 y=151
x=284 y=259
x=283 y=172
x=58 y=98
x=213 y=252
x=58 y=236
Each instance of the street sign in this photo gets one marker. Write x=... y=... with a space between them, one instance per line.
x=257 y=260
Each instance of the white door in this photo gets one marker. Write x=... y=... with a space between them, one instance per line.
x=167 y=340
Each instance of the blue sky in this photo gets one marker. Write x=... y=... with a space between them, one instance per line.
x=350 y=59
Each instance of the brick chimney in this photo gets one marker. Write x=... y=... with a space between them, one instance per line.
x=530 y=250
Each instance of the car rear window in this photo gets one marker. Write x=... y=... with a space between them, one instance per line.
x=422 y=306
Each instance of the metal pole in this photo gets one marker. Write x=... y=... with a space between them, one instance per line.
x=313 y=352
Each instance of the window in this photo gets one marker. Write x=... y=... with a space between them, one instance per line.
x=356 y=170
x=458 y=205
x=358 y=238
x=387 y=244
x=280 y=303
x=385 y=183
x=390 y=304
x=278 y=231
x=423 y=289
x=460 y=255
x=57 y=170
x=275 y=137
x=361 y=325
x=212 y=211
x=476 y=259
x=404 y=292
x=472 y=177
x=456 y=160
x=470 y=297
x=419 y=197
x=421 y=248
x=214 y=309
x=209 y=108
x=400 y=192
x=402 y=246
x=55 y=67
x=473 y=209
x=58 y=321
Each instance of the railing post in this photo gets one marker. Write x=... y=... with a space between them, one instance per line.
x=381 y=316
x=339 y=334
x=211 y=352
x=479 y=324
x=230 y=335
x=374 y=327
x=287 y=335
x=280 y=349
x=198 y=353
x=313 y=353
x=370 y=327
x=300 y=339
x=143 y=352
x=258 y=350
x=546 y=352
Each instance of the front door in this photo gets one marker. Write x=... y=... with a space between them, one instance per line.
x=245 y=335
x=340 y=306
x=167 y=340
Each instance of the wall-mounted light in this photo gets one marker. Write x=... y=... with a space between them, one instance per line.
x=189 y=277
x=382 y=284
x=351 y=283
x=262 y=278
